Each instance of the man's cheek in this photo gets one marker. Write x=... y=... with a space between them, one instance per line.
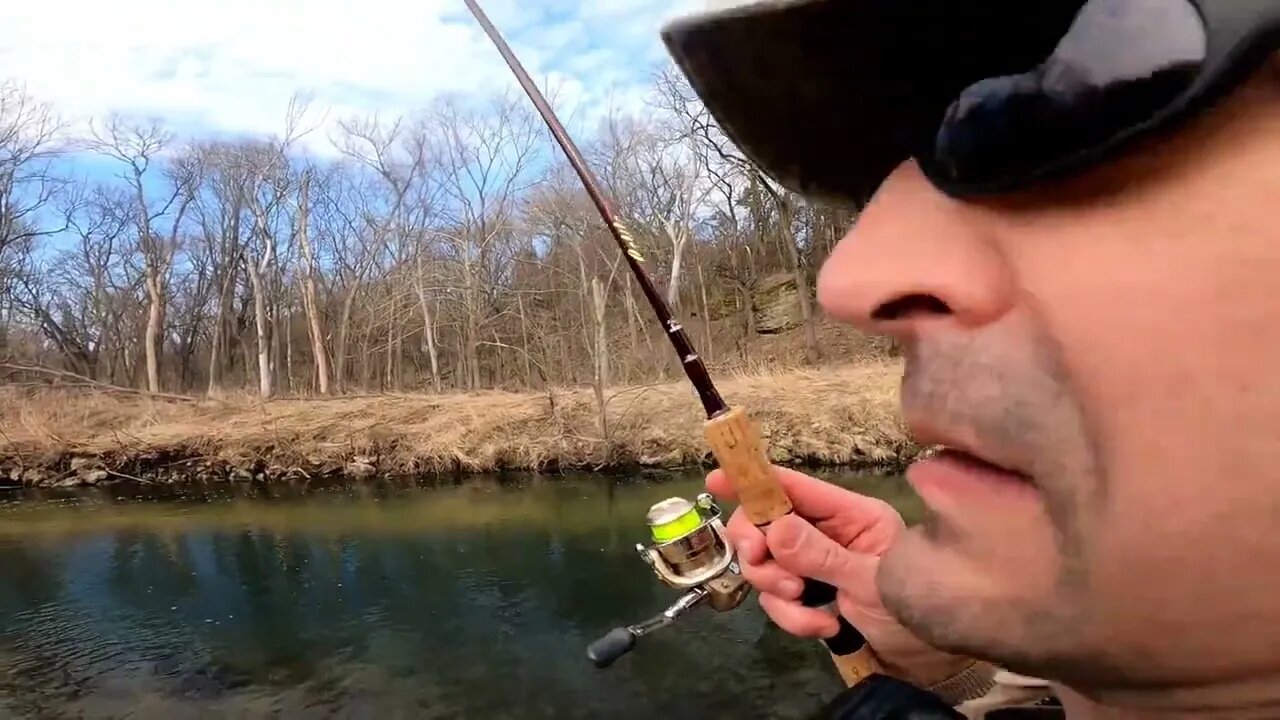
x=1146 y=554
x=1031 y=543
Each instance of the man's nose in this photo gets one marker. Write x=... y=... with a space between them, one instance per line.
x=915 y=257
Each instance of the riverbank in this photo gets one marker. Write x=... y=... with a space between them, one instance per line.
x=61 y=438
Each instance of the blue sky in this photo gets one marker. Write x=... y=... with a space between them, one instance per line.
x=231 y=66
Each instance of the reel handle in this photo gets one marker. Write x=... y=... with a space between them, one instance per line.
x=736 y=442
x=613 y=645
x=621 y=640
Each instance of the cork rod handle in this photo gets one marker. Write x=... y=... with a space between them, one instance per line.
x=738 y=447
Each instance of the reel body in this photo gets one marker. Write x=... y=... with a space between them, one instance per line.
x=691 y=552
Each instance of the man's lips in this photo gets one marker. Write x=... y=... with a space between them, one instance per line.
x=954 y=476
x=963 y=469
x=973 y=463
x=927 y=432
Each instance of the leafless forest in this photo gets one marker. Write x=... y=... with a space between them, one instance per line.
x=452 y=249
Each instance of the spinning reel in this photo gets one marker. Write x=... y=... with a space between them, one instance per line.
x=690 y=552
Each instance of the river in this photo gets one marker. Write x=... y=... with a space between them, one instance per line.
x=473 y=599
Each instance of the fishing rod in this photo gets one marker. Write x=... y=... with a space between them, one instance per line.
x=691 y=550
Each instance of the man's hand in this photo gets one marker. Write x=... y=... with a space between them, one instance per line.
x=843 y=546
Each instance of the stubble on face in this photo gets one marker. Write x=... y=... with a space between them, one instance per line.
x=1010 y=590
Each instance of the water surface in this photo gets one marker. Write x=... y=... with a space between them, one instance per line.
x=471 y=600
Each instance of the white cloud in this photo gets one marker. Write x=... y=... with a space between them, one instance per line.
x=232 y=65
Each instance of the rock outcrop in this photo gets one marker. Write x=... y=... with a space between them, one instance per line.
x=777 y=308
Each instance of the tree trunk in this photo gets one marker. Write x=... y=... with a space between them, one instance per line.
x=749 y=321
x=632 y=331
x=706 y=315
x=648 y=339
x=155 y=325
x=279 y=328
x=340 y=373
x=288 y=362
x=263 y=333
x=586 y=313
x=389 y=356
x=310 y=304
x=366 y=358
x=471 y=326
x=601 y=353
x=246 y=356
x=428 y=332
x=811 y=350
x=216 y=345
x=524 y=340
x=473 y=349
x=397 y=355
x=679 y=237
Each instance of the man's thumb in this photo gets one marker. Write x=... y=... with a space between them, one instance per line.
x=801 y=549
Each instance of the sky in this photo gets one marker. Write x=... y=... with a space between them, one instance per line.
x=219 y=67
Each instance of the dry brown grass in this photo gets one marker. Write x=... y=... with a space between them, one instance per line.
x=834 y=416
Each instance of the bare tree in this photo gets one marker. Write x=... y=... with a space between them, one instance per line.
x=310 y=297
x=270 y=179
x=137 y=145
x=487 y=159
x=30 y=142
x=220 y=211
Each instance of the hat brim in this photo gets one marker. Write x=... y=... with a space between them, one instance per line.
x=827 y=97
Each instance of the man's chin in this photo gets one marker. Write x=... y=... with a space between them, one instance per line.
x=967 y=605
x=916 y=576
x=919 y=583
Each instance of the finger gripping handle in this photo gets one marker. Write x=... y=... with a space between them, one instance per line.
x=616 y=643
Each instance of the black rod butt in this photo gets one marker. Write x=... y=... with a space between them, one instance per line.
x=817 y=593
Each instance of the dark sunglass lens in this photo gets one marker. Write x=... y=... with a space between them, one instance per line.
x=1121 y=61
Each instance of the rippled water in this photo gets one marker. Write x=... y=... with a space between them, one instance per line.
x=468 y=601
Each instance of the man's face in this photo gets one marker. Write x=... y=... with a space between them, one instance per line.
x=1114 y=340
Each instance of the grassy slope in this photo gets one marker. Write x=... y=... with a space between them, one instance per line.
x=837 y=416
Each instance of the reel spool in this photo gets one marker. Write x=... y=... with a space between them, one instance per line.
x=690 y=552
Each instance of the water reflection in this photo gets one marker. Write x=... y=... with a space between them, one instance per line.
x=472 y=601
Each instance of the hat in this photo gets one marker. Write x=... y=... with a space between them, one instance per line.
x=827 y=97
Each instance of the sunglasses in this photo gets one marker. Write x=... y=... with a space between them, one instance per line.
x=829 y=96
